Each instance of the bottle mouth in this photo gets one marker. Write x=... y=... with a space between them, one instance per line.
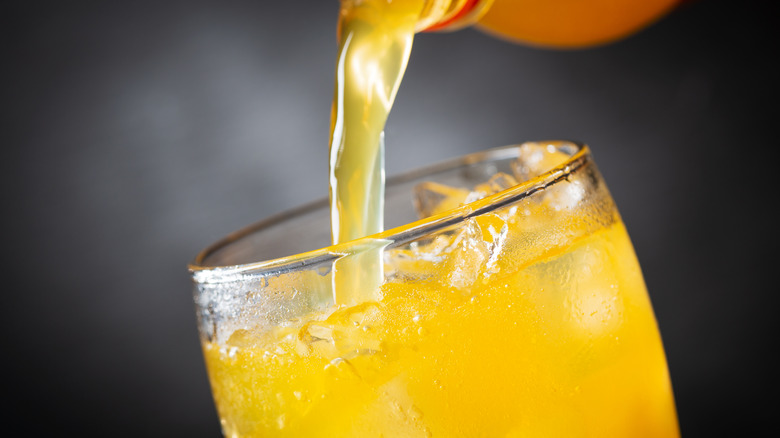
x=451 y=15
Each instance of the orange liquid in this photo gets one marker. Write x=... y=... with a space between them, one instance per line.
x=563 y=345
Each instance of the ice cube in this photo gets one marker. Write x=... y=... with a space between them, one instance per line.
x=249 y=339
x=393 y=410
x=595 y=303
x=417 y=262
x=536 y=159
x=466 y=261
x=432 y=198
x=347 y=333
x=565 y=195
x=497 y=183
x=475 y=251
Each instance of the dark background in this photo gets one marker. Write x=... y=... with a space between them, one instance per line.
x=135 y=133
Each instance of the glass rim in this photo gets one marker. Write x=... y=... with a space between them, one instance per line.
x=207 y=274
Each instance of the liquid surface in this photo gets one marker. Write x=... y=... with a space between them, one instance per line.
x=561 y=344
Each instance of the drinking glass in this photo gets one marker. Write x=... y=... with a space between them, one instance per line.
x=504 y=300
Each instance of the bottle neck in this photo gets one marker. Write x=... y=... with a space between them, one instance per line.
x=451 y=15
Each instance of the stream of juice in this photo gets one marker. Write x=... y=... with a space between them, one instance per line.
x=374 y=45
x=375 y=40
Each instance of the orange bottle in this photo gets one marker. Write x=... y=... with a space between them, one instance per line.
x=548 y=23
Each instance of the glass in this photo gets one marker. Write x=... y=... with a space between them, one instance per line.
x=515 y=307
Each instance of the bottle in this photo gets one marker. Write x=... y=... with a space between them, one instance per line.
x=546 y=23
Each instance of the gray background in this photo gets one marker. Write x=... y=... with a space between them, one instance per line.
x=135 y=133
